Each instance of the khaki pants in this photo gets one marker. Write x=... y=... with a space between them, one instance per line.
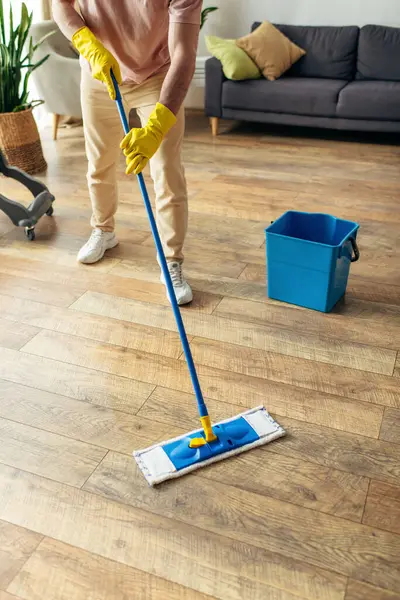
x=103 y=135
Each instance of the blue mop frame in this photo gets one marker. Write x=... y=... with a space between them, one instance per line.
x=203 y=411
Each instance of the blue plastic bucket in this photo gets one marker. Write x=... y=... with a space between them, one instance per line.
x=309 y=257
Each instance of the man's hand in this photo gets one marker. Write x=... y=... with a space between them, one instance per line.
x=100 y=59
x=142 y=143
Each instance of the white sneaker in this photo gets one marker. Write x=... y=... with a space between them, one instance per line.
x=183 y=291
x=96 y=246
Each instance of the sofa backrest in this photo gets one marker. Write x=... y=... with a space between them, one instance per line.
x=379 y=53
x=331 y=51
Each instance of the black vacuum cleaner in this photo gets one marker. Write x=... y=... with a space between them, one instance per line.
x=20 y=215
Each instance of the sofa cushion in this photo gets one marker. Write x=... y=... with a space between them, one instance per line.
x=271 y=50
x=376 y=100
x=236 y=64
x=293 y=95
x=379 y=53
x=331 y=52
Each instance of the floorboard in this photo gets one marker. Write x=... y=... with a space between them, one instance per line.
x=172 y=550
x=6 y=596
x=390 y=430
x=324 y=378
x=255 y=519
x=16 y=545
x=14 y=335
x=92 y=327
x=348 y=415
x=66 y=278
x=60 y=572
x=397 y=366
x=383 y=293
x=91 y=368
x=45 y=292
x=233 y=330
x=89 y=385
x=53 y=456
x=378 y=328
x=382 y=509
x=89 y=423
x=363 y=591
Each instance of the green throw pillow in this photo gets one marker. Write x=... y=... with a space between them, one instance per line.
x=236 y=64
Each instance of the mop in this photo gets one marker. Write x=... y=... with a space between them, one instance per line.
x=212 y=443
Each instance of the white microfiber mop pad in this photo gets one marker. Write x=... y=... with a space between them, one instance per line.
x=157 y=466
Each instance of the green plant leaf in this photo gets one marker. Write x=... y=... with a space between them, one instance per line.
x=33 y=104
x=2 y=23
x=23 y=30
x=43 y=39
x=205 y=14
x=39 y=43
x=28 y=27
x=11 y=41
x=39 y=63
x=15 y=71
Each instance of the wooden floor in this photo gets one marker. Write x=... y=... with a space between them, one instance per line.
x=91 y=368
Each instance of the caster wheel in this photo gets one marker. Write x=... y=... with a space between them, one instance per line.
x=30 y=234
x=50 y=212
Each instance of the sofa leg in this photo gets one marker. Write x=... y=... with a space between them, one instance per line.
x=214 y=125
x=56 y=122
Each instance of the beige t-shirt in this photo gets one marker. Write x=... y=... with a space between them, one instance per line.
x=136 y=31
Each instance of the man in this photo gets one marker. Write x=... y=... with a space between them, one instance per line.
x=150 y=46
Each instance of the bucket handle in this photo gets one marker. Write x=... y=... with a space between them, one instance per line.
x=356 y=251
x=353 y=242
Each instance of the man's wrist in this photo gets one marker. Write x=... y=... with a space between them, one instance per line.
x=82 y=39
x=78 y=34
x=164 y=116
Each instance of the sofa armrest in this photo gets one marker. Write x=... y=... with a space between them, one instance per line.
x=214 y=80
x=57 y=82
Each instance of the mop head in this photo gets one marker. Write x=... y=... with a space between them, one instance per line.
x=174 y=458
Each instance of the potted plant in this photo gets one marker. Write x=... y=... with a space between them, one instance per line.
x=19 y=135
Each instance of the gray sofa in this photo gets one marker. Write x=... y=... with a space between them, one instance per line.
x=349 y=79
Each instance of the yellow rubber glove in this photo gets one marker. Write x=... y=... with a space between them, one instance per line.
x=142 y=143
x=100 y=59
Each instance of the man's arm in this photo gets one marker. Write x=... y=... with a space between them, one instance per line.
x=66 y=17
x=183 y=40
x=73 y=27
x=141 y=144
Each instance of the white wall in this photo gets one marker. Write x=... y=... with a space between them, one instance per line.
x=235 y=16
x=32 y=5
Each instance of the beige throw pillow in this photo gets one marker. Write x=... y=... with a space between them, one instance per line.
x=272 y=51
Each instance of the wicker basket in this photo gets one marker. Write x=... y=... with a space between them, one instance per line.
x=20 y=141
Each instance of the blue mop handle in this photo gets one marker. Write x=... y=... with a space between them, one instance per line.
x=181 y=328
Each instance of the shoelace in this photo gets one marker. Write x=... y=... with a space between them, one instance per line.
x=95 y=237
x=175 y=270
